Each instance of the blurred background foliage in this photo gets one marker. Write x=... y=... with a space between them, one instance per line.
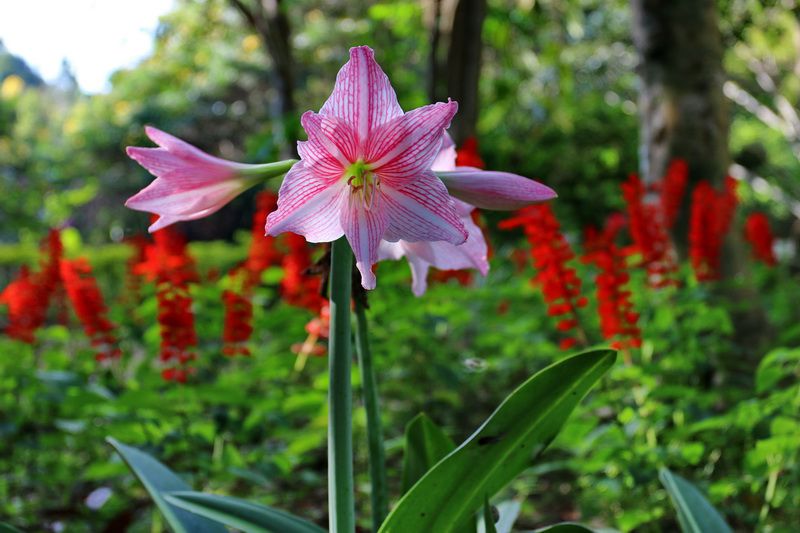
x=557 y=101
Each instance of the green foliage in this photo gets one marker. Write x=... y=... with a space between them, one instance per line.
x=159 y=480
x=241 y=514
x=521 y=428
x=425 y=445
x=695 y=514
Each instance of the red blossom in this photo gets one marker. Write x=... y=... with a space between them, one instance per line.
x=648 y=230
x=87 y=302
x=758 y=233
x=263 y=251
x=24 y=297
x=551 y=254
x=237 y=301
x=618 y=320
x=298 y=288
x=711 y=217
x=168 y=263
x=468 y=156
x=672 y=189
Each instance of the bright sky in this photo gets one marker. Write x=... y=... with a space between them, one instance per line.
x=97 y=37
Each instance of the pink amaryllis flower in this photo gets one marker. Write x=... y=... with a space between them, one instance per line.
x=365 y=171
x=190 y=183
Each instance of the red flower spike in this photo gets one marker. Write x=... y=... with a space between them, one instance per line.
x=168 y=263
x=672 y=190
x=617 y=317
x=758 y=233
x=468 y=156
x=711 y=217
x=263 y=251
x=551 y=252
x=24 y=297
x=297 y=287
x=646 y=224
x=87 y=301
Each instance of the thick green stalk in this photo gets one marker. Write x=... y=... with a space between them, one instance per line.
x=341 y=504
x=377 y=455
x=267 y=170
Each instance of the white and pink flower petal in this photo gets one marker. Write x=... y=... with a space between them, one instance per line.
x=488 y=189
x=364 y=226
x=308 y=206
x=363 y=95
x=422 y=211
x=408 y=145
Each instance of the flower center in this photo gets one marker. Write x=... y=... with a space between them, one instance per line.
x=364 y=184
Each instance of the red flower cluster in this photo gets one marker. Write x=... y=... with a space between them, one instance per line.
x=87 y=301
x=298 y=288
x=26 y=314
x=649 y=231
x=758 y=233
x=468 y=156
x=617 y=316
x=711 y=217
x=237 y=297
x=29 y=295
x=168 y=263
x=671 y=190
x=551 y=252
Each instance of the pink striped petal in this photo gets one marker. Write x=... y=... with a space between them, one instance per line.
x=408 y=145
x=442 y=255
x=331 y=147
x=362 y=96
x=309 y=206
x=490 y=189
x=364 y=229
x=422 y=211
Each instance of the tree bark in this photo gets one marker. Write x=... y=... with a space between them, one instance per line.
x=464 y=66
x=455 y=58
x=268 y=19
x=683 y=112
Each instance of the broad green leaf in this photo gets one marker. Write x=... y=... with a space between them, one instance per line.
x=7 y=528
x=158 y=479
x=241 y=514
x=425 y=445
x=505 y=445
x=695 y=513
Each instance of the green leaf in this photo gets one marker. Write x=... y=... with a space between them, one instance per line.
x=240 y=514
x=8 y=528
x=158 y=479
x=425 y=445
x=505 y=445
x=695 y=513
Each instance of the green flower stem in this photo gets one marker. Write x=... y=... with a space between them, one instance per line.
x=377 y=455
x=267 y=170
x=340 y=397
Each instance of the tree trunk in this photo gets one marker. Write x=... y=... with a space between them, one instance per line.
x=268 y=19
x=683 y=112
x=464 y=66
x=455 y=58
